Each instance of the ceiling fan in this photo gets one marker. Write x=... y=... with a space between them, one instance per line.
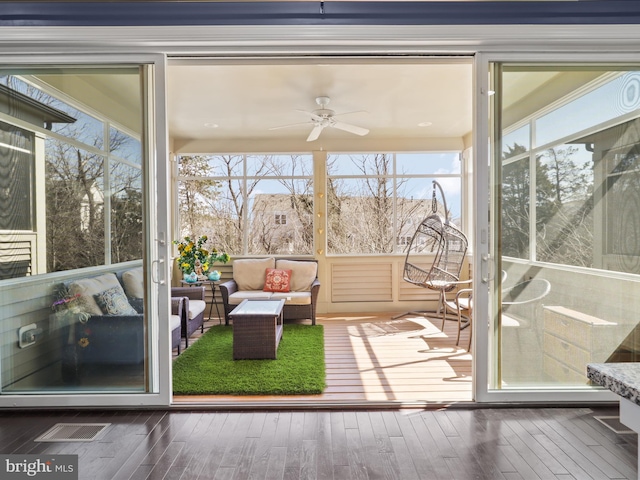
x=323 y=118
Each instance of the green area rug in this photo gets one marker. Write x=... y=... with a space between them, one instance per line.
x=207 y=367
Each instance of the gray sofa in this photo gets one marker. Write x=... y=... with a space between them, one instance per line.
x=248 y=282
x=108 y=327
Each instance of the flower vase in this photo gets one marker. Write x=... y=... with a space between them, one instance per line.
x=214 y=275
x=190 y=277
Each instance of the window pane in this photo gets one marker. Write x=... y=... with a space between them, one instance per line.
x=259 y=165
x=218 y=166
x=564 y=206
x=427 y=163
x=360 y=164
x=360 y=216
x=86 y=128
x=16 y=178
x=379 y=212
x=125 y=146
x=414 y=204
x=75 y=207
x=281 y=217
x=515 y=209
x=619 y=94
x=126 y=213
x=215 y=209
x=516 y=143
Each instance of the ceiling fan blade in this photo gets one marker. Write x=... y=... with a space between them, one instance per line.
x=290 y=125
x=350 y=128
x=315 y=133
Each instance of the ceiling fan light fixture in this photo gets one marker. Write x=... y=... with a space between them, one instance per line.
x=324 y=118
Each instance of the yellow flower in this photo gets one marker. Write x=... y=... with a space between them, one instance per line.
x=185 y=265
x=188 y=248
x=205 y=267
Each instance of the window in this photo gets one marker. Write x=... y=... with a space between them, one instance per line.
x=376 y=200
x=16 y=178
x=404 y=241
x=583 y=210
x=237 y=200
x=92 y=198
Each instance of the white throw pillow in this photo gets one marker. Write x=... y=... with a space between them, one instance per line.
x=302 y=274
x=88 y=287
x=249 y=273
x=133 y=281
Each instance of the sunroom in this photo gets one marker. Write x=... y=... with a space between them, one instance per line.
x=87 y=181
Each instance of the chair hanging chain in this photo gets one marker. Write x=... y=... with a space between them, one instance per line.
x=434 y=202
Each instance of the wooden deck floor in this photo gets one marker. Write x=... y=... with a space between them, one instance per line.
x=374 y=359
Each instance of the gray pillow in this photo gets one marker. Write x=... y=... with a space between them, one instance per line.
x=114 y=302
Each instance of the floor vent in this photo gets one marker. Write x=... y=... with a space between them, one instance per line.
x=614 y=424
x=72 y=432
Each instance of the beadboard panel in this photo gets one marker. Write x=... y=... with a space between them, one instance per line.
x=361 y=282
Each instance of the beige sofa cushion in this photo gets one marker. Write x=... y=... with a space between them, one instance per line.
x=302 y=273
x=174 y=322
x=88 y=287
x=237 y=297
x=196 y=307
x=249 y=273
x=293 y=298
x=133 y=281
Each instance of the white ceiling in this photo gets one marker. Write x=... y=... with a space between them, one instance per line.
x=391 y=99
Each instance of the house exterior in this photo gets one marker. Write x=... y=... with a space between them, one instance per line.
x=553 y=90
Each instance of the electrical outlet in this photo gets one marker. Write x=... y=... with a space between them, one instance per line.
x=28 y=335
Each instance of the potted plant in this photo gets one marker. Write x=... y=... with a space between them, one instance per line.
x=214 y=257
x=195 y=261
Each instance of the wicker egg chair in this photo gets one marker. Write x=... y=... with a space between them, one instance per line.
x=436 y=235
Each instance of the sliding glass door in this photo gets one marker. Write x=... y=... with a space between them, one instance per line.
x=79 y=309
x=565 y=178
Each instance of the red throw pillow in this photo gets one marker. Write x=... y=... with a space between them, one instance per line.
x=277 y=280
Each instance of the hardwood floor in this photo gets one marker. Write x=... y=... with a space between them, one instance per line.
x=372 y=359
x=453 y=443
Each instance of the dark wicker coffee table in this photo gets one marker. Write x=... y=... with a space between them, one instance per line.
x=257 y=329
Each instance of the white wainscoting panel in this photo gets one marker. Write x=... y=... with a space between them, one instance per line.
x=361 y=282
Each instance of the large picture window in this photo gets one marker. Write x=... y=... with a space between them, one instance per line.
x=248 y=204
x=376 y=200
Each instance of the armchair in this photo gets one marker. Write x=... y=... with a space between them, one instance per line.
x=193 y=309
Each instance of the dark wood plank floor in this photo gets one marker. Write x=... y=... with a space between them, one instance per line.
x=447 y=443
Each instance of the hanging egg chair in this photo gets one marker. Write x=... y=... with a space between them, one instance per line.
x=436 y=236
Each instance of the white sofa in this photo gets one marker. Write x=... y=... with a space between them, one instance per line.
x=248 y=282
